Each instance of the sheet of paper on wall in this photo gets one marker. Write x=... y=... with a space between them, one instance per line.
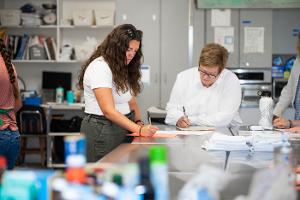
x=197 y=128
x=225 y=37
x=220 y=17
x=254 y=39
x=145 y=69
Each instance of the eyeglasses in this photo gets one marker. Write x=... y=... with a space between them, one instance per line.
x=211 y=76
x=136 y=34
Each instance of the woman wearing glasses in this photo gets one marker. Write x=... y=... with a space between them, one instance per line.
x=111 y=81
x=208 y=95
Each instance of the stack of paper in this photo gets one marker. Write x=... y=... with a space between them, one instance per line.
x=256 y=142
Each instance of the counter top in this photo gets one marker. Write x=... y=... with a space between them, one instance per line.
x=186 y=155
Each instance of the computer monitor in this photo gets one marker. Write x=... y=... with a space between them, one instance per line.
x=53 y=80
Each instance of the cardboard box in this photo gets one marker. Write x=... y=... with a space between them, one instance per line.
x=10 y=17
x=83 y=17
x=104 y=17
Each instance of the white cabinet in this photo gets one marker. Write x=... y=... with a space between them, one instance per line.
x=165 y=43
x=62 y=32
x=252 y=51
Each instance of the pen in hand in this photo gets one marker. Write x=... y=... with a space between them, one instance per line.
x=184 y=113
x=183 y=121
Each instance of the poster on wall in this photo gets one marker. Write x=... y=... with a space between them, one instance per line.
x=145 y=69
x=220 y=17
x=225 y=37
x=254 y=39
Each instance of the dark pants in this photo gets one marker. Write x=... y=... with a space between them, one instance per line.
x=102 y=135
x=10 y=146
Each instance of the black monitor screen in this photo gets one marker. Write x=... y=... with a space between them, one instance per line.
x=53 y=80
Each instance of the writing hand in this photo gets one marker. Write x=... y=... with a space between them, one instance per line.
x=183 y=122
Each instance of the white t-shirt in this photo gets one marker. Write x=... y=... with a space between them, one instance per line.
x=216 y=105
x=99 y=75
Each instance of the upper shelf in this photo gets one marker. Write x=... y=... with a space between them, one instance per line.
x=59 y=26
x=83 y=27
x=33 y=27
x=46 y=61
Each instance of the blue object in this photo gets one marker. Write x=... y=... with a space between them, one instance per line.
x=42 y=177
x=277 y=71
x=277 y=61
x=26 y=185
x=289 y=63
x=34 y=101
x=9 y=146
x=203 y=194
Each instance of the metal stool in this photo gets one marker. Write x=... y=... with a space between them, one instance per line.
x=31 y=126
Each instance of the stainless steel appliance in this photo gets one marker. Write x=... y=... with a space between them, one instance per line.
x=277 y=85
x=253 y=80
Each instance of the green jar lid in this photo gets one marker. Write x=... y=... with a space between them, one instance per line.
x=158 y=153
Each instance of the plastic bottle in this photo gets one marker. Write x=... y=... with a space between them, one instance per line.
x=58 y=185
x=266 y=109
x=144 y=189
x=75 y=172
x=59 y=95
x=284 y=158
x=159 y=172
x=3 y=166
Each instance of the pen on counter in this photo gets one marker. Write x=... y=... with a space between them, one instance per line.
x=183 y=109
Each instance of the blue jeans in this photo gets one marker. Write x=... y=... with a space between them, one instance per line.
x=10 y=146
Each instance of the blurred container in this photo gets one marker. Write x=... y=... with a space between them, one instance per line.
x=75 y=145
x=70 y=96
x=59 y=95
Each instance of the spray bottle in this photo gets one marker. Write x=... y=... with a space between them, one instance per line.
x=266 y=109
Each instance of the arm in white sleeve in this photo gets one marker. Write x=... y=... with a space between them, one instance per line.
x=228 y=104
x=174 y=106
x=287 y=93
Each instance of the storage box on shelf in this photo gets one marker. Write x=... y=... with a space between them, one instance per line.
x=10 y=17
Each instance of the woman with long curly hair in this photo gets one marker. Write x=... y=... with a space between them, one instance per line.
x=10 y=103
x=111 y=80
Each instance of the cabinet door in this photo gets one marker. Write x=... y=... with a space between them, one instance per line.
x=251 y=55
x=145 y=15
x=286 y=25
x=174 y=43
x=233 y=60
x=198 y=34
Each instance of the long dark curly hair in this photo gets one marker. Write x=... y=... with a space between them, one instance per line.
x=113 y=49
x=6 y=55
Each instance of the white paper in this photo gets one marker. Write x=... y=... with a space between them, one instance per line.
x=225 y=37
x=185 y=132
x=220 y=17
x=196 y=128
x=259 y=142
x=145 y=69
x=254 y=39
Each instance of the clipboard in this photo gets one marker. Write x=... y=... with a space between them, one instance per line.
x=197 y=128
